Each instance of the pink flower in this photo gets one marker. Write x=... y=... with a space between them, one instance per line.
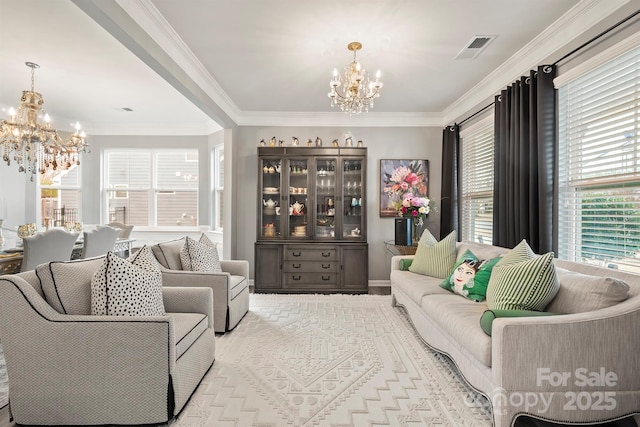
x=404 y=186
x=414 y=213
x=412 y=178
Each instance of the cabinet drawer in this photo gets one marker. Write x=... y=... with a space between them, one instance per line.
x=292 y=266
x=310 y=280
x=313 y=254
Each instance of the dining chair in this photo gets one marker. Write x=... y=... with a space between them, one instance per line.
x=52 y=245
x=125 y=230
x=99 y=241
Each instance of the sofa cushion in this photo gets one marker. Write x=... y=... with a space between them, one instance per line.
x=526 y=285
x=435 y=260
x=486 y=321
x=458 y=317
x=580 y=292
x=415 y=285
x=168 y=253
x=128 y=287
x=200 y=255
x=66 y=285
x=187 y=328
x=470 y=276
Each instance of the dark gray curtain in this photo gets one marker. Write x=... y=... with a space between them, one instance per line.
x=449 y=210
x=525 y=152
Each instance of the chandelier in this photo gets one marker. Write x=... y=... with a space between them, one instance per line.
x=353 y=92
x=35 y=146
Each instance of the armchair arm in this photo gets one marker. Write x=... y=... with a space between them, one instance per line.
x=189 y=300
x=98 y=367
x=236 y=267
x=553 y=355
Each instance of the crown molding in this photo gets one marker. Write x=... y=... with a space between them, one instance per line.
x=274 y=118
x=149 y=129
x=156 y=26
x=572 y=24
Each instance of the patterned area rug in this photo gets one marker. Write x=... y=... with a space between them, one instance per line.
x=329 y=360
x=4 y=381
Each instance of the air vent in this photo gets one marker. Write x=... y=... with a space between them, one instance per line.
x=127 y=109
x=475 y=46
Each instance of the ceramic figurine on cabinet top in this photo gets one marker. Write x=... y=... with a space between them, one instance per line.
x=272 y=141
x=334 y=143
x=360 y=143
x=318 y=142
x=295 y=141
x=309 y=143
x=262 y=142
x=348 y=142
x=281 y=143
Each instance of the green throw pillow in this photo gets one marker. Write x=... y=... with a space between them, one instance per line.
x=405 y=263
x=470 y=276
x=526 y=285
x=427 y=238
x=490 y=315
x=522 y=252
x=436 y=260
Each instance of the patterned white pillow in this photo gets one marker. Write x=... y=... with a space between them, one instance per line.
x=200 y=256
x=128 y=287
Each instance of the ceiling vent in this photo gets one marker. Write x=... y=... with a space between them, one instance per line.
x=475 y=46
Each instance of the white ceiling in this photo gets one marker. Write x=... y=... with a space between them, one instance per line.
x=269 y=61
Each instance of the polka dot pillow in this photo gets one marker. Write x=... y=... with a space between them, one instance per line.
x=200 y=255
x=128 y=287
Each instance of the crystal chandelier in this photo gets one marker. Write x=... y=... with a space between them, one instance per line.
x=34 y=146
x=353 y=92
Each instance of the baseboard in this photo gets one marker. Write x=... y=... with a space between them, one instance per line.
x=379 y=283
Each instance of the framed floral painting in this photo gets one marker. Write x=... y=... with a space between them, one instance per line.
x=401 y=180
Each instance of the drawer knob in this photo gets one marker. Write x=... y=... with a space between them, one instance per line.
x=325 y=266
x=326 y=277
x=326 y=254
x=297 y=277
x=297 y=265
x=296 y=254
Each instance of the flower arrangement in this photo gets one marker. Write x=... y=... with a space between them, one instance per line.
x=414 y=207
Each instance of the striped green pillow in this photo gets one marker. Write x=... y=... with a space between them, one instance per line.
x=525 y=285
x=522 y=252
x=435 y=260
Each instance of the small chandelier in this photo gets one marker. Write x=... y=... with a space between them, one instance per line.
x=34 y=146
x=357 y=93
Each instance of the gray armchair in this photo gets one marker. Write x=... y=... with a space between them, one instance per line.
x=230 y=288
x=52 y=245
x=101 y=370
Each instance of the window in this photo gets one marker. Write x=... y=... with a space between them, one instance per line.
x=218 y=187
x=60 y=197
x=477 y=149
x=152 y=187
x=599 y=157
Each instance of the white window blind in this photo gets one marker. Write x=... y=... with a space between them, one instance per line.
x=599 y=165
x=152 y=187
x=477 y=148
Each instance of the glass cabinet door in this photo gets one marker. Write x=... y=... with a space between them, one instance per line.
x=352 y=190
x=325 y=191
x=298 y=187
x=271 y=210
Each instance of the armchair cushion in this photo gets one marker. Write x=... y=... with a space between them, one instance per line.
x=168 y=253
x=128 y=287
x=66 y=285
x=200 y=255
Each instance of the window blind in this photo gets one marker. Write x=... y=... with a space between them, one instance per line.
x=599 y=165
x=477 y=182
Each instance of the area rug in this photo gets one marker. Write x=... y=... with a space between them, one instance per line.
x=329 y=360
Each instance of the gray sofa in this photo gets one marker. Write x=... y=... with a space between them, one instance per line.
x=581 y=367
x=230 y=288
x=81 y=369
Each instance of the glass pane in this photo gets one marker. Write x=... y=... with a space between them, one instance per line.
x=298 y=190
x=271 y=215
x=326 y=196
x=128 y=207
x=352 y=196
x=128 y=169
x=177 y=170
x=177 y=208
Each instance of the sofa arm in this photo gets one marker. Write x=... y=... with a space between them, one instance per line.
x=189 y=300
x=554 y=355
x=236 y=267
x=110 y=364
x=395 y=261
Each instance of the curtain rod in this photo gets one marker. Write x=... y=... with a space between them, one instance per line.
x=582 y=46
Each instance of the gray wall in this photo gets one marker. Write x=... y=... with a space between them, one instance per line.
x=381 y=143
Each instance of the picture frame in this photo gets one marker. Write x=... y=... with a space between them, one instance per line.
x=398 y=177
